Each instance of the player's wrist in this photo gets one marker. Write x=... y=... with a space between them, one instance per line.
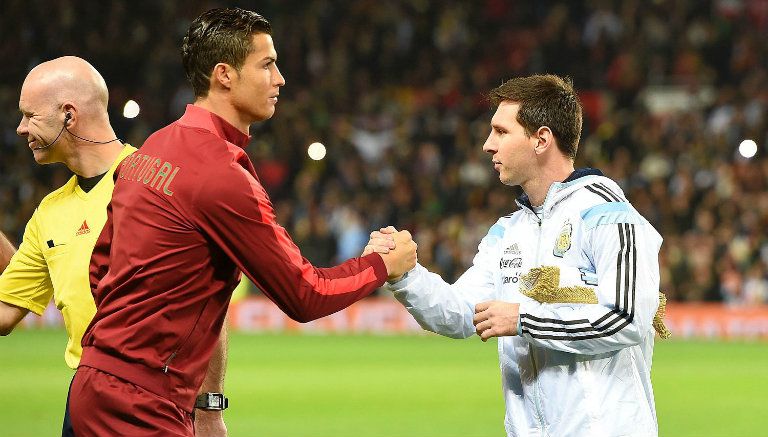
x=207 y=416
x=397 y=279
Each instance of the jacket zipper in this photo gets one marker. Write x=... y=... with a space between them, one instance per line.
x=181 y=344
x=168 y=361
x=535 y=394
x=539 y=414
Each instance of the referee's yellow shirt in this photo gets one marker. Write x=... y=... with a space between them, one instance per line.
x=54 y=257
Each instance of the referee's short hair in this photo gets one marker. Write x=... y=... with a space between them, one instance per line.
x=219 y=35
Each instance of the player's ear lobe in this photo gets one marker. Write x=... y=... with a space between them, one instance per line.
x=544 y=139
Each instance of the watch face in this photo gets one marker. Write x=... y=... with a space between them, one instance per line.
x=211 y=401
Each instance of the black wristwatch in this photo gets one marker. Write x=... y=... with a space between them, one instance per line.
x=212 y=401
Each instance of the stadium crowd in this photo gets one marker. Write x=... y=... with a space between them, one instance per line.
x=395 y=92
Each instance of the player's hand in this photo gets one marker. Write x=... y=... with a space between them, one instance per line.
x=382 y=241
x=401 y=259
x=496 y=319
x=209 y=424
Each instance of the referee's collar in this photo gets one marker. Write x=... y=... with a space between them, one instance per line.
x=196 y=116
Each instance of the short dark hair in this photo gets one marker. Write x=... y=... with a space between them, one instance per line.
x=545 y=100
x=219 y=35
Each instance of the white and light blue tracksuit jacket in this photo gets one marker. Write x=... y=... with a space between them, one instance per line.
x=574 y=369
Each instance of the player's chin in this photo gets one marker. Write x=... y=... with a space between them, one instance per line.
x=265 y=113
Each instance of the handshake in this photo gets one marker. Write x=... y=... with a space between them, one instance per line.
x=397 y=249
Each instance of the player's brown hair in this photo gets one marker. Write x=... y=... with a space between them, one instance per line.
x=545 y=100
x=219 y=35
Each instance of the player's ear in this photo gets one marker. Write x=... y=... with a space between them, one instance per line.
x=222 y=76
x=545 y=139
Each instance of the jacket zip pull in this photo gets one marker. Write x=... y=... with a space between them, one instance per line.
x=538 y=241
x=168 y=361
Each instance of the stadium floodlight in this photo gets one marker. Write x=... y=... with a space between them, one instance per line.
x=131 y=109
x=748 y=148
x=316 y=151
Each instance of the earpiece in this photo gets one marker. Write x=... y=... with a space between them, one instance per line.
x=67 y=117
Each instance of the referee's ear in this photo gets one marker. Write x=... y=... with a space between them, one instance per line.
x=69 y=115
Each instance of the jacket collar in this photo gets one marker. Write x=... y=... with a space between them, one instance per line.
x=558 y=190
x=196 y=116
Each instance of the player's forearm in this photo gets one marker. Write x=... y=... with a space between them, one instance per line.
x=307 y=293
x=581 y=328
x=6 y=251
x=214 y=377
x=211 y=423
x=437 y=306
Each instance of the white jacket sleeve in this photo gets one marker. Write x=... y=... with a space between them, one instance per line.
x=444 y=308
x=625 y=258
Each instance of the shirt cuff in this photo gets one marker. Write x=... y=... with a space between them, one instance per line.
x=407 y=279
x=22 y=303
x=379 y=268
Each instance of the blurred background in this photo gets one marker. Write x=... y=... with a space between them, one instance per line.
x=674 y=92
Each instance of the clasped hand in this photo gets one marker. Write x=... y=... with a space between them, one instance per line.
x=397 y=249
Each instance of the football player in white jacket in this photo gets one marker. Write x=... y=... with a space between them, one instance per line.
x=569 y=282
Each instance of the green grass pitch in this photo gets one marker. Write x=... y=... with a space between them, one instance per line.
x=396 y=386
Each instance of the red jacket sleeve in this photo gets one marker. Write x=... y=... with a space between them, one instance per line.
x=235 y=212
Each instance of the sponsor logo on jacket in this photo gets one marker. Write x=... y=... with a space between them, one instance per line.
x=512 y=250
x=513 y=263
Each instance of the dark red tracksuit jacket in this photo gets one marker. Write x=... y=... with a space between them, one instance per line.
x=188 y=214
